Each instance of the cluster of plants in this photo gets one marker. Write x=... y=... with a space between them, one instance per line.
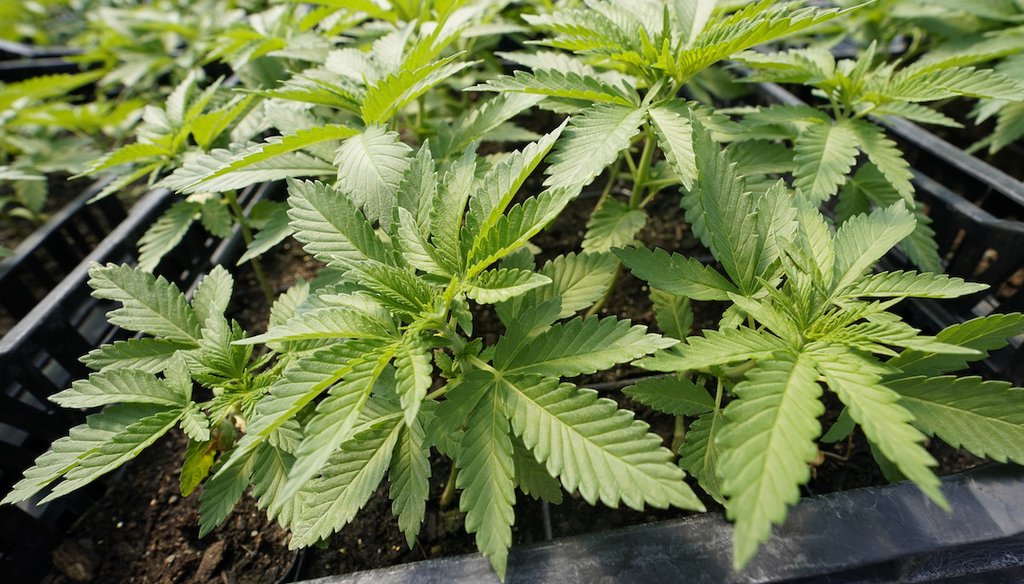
x=391 y=123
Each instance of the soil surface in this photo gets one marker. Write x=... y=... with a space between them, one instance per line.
x=60 y=192
x=142 y=531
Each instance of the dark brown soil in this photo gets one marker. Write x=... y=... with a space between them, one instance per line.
x=61 y=191
x=143 y=531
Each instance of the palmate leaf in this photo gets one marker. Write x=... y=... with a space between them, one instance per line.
x=478 y=122
x=582 y=345
x=151 y=305
x=275 y=230
x=561 y=84
x=487 y=480
x=409 y=478
x=223 y=491
x=332 y=322
x=673 y=314
x=824 y=155
x=502 y=182
x=338 y=413
x=857 y=380
x=120 y=386
x=148 y=355
x=900 y=283
x=413 y=374
x=64 y=454
x=166 y=233
x=213 y=294
x=371 y=166
x=929 y=82
x=983 y=334
x=614 y=224
x=346 y=483
x=676 y=274
x=331 y=228
x=675 y=395
x=591 y=142
x=270 y=469
x=495 y=286
x=886 y=156
x=515 y=228
x=577 y=281
x=274 y=147
x=388 y=96
x=984 y=417
x=766 y=445
x=700 y=452
x=671 y=121
x=863 y=239
x=594 y=447
x=715 y=347
x=532 y=477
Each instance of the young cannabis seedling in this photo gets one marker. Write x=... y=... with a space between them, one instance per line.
x=827 y=140
x=354 y=396
x=806 y=316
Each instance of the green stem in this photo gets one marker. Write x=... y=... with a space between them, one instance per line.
x=678 y=434
x=607 y=293
x=448 y=494
x=640 y=178
x=611 y=184
x=243 y=224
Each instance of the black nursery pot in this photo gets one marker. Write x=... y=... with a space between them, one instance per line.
x=39 y=357
x=975 y=212
x=19 y=61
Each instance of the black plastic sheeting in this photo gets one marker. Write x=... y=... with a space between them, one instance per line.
x=881 y=534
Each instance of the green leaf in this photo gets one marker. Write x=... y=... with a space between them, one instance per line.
x=532 y=477
x=560 y=84
x=194 y=423
x=117 y=449
x=223 y=491
x=876 y=408
x=825 y=153
x=388 y=96
x=594 y=447
x=900 y=283
x=675 y=395
x=672 y=313
x=144 y=355
x=213 y=294
x=409 y=476
x=269 y=150
x=119 y=386
x=886 y=156
x=716 y=347
x=332 y=322
x=863 y=239
x=614 y=224
x=984 y=417
x=371 y=166
x=414 y=375
x=487 y=479
x=676 y=274
x=582 y=345
x=767 y=443
x=275 y=230
x=700 y=452
x=166 y=233
x=271 y=466
x=196 y=467
x=338 y=413
x=330 y=226
x=346 y=483
x=499 y=285
x=671 y=120
x=983 y=334
x=577 y=281
x=150 y=305
x=592 y=141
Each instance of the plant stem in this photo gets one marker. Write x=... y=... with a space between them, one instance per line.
x=607 y=293
x=611 y=184
x=640 y=178
x=448 y=494
x=243 y=224
x=678 y=434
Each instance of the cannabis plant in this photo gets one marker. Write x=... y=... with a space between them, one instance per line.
x=827 y=140
x=349 y=392
x=806 y=316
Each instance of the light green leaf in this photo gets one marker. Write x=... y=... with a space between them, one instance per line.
x=674 y=394
x=614 y=224
x=371 y=166
x=592 y=141
x=150 y=305
x=676 y=274
x=495 y=286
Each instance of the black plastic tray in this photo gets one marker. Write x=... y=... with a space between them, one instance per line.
x=53 y=250
x=39 y=357
x=878 y=534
